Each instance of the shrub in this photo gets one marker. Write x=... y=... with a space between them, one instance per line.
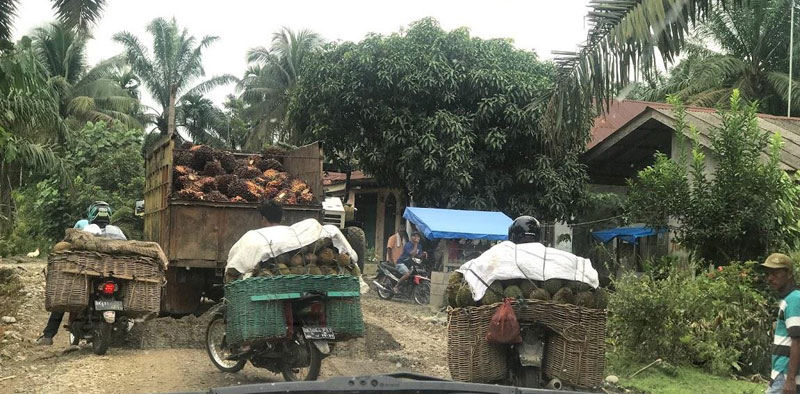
x=720 y=320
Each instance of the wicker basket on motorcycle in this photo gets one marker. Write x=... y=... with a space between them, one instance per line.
x=69 y=276
x=249 y=321
x=574 y=353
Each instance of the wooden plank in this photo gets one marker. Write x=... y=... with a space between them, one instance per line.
x=110 y=275
x=274 y=297
x=305 y=163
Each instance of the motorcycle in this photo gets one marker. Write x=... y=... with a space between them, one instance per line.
x=527 y=358
x=297 y=357
x=102 y=317
x=417 y=287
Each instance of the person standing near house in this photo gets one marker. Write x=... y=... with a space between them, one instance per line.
x=786 y=343
x=394 y=247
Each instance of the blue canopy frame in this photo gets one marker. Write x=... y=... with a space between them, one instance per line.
x=628 y=234
x=437 y=223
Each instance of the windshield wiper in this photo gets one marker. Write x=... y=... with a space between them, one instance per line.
x=401 y=382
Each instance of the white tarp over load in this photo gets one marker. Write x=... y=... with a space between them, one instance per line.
x=260 y=245
x=508 y=260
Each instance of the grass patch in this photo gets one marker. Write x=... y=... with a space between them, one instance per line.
x=670 y=379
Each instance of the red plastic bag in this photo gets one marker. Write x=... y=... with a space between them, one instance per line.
x=504 y=328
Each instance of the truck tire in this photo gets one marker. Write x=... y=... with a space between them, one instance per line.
x=358 y=241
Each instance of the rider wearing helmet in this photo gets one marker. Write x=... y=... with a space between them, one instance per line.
x=97 y=222
x=525 y=229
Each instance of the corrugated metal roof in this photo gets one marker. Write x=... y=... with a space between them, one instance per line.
x=704 y=119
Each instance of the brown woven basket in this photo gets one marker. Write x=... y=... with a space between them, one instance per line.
x=65 y=291
x=68 y=280
x=575 y=351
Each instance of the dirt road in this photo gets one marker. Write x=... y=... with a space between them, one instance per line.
x=164 y=355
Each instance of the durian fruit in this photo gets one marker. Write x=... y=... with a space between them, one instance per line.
x=283 y=269
x=247 y=172
x=284 y=258
x=527 y=287
x=539 y=294
x=343 y=259
x=464 y=297
x=296 y=260
x=213 y=168
x=328 y=270
x=354 y=270
x=313 y=269
x=564 y=296
x=493 y=294
x=600 y=298
x=585 y=299
x=298 y=270
x=326 y=243
x=455 y=279
x=553 y=285
x=310 y=258
x=512 y=291
x=201 y=154
x=578 y=286
x=326 y=256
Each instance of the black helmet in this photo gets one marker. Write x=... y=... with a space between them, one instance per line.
x=525 y=229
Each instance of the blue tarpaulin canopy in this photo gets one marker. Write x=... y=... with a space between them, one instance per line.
x=437 y=223
x=627 y=234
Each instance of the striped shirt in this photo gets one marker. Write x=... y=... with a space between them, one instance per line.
x=786 y=327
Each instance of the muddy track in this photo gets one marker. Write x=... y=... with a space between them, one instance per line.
x=166 y=354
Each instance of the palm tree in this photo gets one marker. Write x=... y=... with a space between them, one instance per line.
x=753 y=59
x=85 y=94
x=202 y=120
x=175 y=64
x=268 y=82
x=74 y=14
x=30 y=125
x=620 y=47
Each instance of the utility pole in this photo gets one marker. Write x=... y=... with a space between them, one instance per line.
x=791 y=52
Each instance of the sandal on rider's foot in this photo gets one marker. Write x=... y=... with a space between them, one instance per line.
x=44 y=341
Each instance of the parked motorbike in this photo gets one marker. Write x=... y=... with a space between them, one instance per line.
x=101 y=318
x=528 y=358
x=417 y=287
x=297 y=357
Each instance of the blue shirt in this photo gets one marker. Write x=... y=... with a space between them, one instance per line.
x=408 y=249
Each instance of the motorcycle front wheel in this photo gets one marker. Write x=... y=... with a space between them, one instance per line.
x=422 y=293
x=310 y=372
x=101 y=338
x=387 y=284
x=217 y=346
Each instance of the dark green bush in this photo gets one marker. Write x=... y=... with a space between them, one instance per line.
x=720 y=320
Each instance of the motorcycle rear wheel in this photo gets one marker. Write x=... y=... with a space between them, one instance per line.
x=387 y=294
x=217 y=346
x=422 y=293
x=311 y=372
x=101 y=338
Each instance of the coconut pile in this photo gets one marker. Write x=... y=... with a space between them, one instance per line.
x=318 y=258
x=559 y=291
x=203 y=173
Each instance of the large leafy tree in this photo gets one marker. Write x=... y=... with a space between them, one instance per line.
x=171 y=72
x=74 y=14
x=86 y=94
x=442 y=114
x=30 y=125
x=753 y=58
x=269 y=81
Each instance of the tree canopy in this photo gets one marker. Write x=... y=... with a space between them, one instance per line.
x=442 y=114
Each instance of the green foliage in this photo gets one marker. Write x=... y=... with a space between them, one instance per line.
x=739 y=209
x=107 y=165
x=720 y=320
x=445 y=116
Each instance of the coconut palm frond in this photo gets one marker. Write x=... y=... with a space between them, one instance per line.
x=79 y=14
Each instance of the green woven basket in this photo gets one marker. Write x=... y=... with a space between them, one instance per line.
x=249 y=320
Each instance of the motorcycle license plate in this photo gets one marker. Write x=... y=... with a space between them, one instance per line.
x=107 y=305
x=318 y=333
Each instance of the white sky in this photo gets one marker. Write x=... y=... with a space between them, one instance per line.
x=541 y=25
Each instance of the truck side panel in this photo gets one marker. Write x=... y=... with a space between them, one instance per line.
x=305 y=163
x=158 y=182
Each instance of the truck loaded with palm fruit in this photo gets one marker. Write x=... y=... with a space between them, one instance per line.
x=199 y=201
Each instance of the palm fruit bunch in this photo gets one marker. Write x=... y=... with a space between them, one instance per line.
x=552 y=290
x=319 y=258
x=200 y=170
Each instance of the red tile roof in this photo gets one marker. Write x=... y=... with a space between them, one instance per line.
x=333 y=178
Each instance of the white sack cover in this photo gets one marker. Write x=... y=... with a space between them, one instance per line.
x=260 y=245
x=498 y=263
